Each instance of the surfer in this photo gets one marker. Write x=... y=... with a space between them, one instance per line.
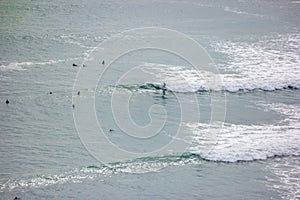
x=164 y=88
x=7 y=102
x=73 y=106
x=50 y=92
x=110 y=130
x=103 y=62
x=74 y=65
x=78 y=93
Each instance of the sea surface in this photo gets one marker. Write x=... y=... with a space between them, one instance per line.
x=244 y=145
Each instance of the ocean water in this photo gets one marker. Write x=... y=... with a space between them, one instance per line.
x=245 y=143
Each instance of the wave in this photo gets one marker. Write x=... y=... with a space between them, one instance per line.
x=144 y=86
x=77 y=175
x=287 y=175
x=238 y=142
x=233 y=143
x=20 y=66
x=239 y=12
x=137 y=166
x=228 y=9
x=74 y=40
x=204 y=88
x=266 y=64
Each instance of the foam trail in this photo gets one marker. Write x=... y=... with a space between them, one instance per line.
x=19 y=66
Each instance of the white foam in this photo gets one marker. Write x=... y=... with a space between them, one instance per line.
x=180 y=78
x=239 y=12
x=12 y=67
x=234 y=142
x=79 y=175
x=19 y=66
x=267 y=64
x=287 y=177
x=76 y=40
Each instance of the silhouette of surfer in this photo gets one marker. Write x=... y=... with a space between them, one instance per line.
x=74 y=65
x=7 y=102
x=103 y=62
x=164 y=89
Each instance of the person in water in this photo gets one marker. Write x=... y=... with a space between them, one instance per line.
x=78 y=93
x=103 y=62
x=7 y=102
x=164 y=88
